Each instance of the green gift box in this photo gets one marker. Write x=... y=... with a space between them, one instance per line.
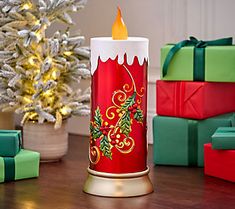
x=193 y=60
x=179 y=141
x=224 y=138
x=24 y=165
x=10 y=142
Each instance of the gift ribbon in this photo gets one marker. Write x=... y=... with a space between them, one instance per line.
x=192 y=142
x=178 y=98
x=9 y=169
x=199 y=54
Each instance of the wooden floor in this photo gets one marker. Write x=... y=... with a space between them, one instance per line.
x=60 y=187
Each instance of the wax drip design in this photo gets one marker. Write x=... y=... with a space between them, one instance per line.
x=105 y=49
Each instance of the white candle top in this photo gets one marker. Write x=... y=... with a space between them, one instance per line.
x=106 y=48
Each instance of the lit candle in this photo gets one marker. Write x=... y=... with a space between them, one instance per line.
x=118 y=145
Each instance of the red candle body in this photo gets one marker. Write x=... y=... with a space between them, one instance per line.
x=118 y=117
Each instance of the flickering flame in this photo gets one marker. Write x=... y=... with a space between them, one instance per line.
x=119 y=29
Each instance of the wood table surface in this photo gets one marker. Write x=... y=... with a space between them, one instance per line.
x=60 y=187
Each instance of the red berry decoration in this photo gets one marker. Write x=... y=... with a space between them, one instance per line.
x=135 y=105
x=112 y=136
x=134 y=111
x=130 y=108
x=113 y=142
x=104 y=132
x=101 y=128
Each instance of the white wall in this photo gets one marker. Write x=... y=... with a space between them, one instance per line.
x=162 y=21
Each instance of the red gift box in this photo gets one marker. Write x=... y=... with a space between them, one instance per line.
x=219 y=163
x=196 y=100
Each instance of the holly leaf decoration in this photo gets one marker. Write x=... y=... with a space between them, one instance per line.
x=125 y=123
x=98 y=118
x=96 y=133
x=129 y=101
x=105 y=147
x=91 y=127
x=139 y=115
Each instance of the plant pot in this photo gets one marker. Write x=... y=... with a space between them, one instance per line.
x=50 y=143
x=7 y=121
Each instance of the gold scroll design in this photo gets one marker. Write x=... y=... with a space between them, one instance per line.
x=94 y=153
x=123 y=101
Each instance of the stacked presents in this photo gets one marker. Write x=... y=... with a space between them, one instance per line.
x=220 y=154
x=16 y=163
x=195 y=96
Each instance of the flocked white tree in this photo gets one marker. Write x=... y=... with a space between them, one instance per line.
x=37 y=72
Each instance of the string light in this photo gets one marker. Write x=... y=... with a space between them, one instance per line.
x=33 y=115
x=64 y=110
x=54 y=75
x=31 y=60
x=48 y=93
x=37 y=22
x=27 y=6
x=42 y=72
x=36 y=72
x=68 y=53
x=49 y=59
x=38 y=35
x=26 y=99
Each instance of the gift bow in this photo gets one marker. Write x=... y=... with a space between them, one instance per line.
x=199 y=54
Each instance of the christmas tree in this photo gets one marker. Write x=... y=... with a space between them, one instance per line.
x=36 y=71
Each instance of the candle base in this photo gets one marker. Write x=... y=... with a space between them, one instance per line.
x=118 y=185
